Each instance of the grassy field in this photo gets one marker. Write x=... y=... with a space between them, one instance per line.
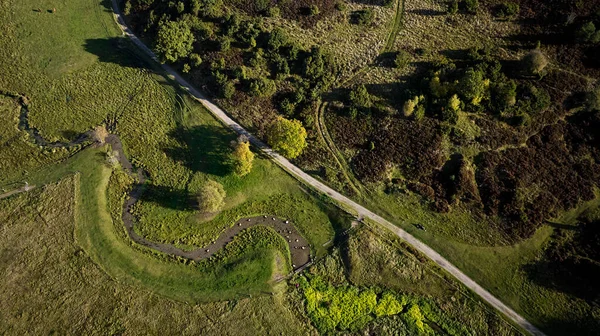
x=48 y=285
x=375 y=262
x=84 y=74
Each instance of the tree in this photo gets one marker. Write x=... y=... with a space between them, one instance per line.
x=592 y=100
x=454 y=103
x=211 y=197
x=507 y=10
x=402 y=59
x=409 y=106
x=587 y=33
x=174 y=40
x=360 y=98
x=196 y=60
x=243 y=157
x=472 y=5
x=534 y=62
x=453 y=7
x=288 y=137
x=262 y=87
x=472 y=86
x=277 y=39
x=99 y=134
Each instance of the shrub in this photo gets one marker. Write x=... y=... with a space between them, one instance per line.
x=534 y=62
x=280 y=67
x=226 y=88
x=288 y=137
x=196 y=60
x=224 y=44
x=453 y=7
x=277 y=39
x=504 y=95
x=453 y=103
x=257 y=58
x=587 y=33
x=592 y=100
x=174 y=40
x=313 y=10
x=211 y=197
x=274 y=11
x=287 y=107
x=403 y=59
x=180 y=7
x=409 y=106
x=262 y=87
x=341 y=6
x=127 y=8
x=99 y=134
x=186 y=68
x=363 y=17
x=507 y=10
x=261 y=5
x=472 y=5
x=240 y=73
x=419 y=112
x=437 y=88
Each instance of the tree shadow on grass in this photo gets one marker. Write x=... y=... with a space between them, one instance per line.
x=114 y=50
x=168 y=198
x=203 y=148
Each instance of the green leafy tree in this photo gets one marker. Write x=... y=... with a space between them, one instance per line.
x=262 y=87
x=274 y=11
x=196 y=60
x=592 y=100
x=224 y=44
x=403 y=59
x=453 y=7
x=287 y=137
x=586 y=32
x=361 y=99
x=174 y=40
x=409 y=106
x=363 y=17
x=211 y=197
x=507 y=10
x=472 y=5
x=277 y=39
x=243 y=158
x=472 y=86
x=454 y=103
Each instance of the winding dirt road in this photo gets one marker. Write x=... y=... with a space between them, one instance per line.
x=347 y=203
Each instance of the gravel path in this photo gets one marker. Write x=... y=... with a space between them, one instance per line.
x=299 y=246
x=358 y=209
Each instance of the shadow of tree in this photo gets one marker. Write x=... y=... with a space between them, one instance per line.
x=114 y=50
x=203 y=148
x=168 y=197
